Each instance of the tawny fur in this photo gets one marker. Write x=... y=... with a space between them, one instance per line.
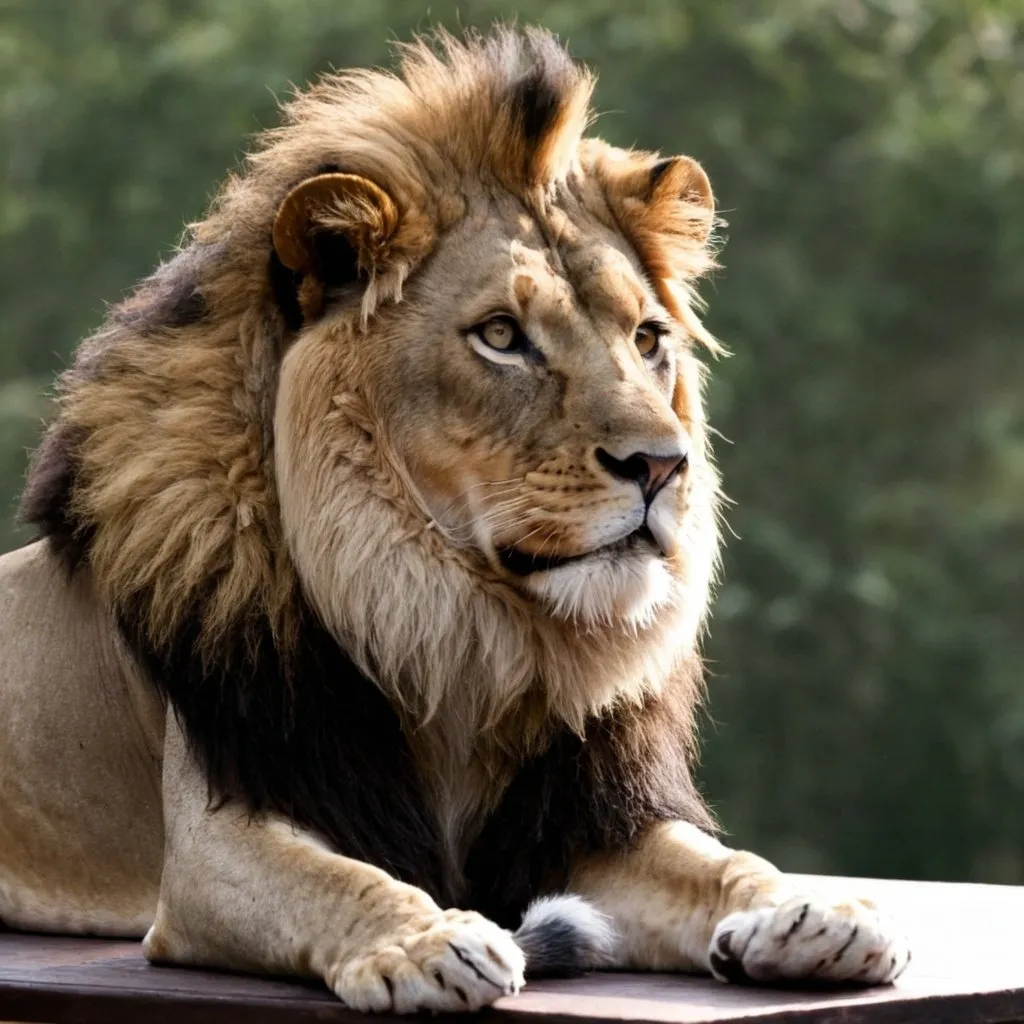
x=225 y=466
x=177 y=449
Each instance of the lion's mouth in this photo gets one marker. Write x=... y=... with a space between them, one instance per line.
x=523 y=563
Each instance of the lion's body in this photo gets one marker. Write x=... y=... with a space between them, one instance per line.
x=81 y=825
x=380 y=528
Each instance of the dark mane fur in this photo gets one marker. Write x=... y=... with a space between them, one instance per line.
x=311 y=738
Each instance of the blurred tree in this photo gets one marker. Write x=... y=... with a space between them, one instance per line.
x=867 y=648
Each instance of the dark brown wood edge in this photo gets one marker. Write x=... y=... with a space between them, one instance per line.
x=65 y=1004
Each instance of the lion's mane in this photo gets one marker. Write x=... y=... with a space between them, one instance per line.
x=157 y=479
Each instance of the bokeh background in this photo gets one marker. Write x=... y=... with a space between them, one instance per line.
x=866 y=708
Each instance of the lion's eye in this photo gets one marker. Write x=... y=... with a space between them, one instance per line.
x=501 y=333
x=648 y=339
x=500 y=339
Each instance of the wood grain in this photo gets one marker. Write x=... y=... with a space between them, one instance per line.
x=968 y=968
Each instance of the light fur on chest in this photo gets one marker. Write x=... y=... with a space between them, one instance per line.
x=464 y=778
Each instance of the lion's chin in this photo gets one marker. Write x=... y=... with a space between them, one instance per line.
x=626 y=589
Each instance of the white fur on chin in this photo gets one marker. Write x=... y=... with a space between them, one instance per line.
x=627 y=588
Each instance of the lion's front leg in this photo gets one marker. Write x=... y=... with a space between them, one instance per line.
x=680 y=900
x=257 y=895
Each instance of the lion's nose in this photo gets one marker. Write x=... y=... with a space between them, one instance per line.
x=651 y=472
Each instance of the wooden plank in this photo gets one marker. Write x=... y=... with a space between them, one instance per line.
x=968 y=968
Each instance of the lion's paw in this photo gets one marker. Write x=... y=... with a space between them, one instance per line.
x=461 y=961
x=809 y=940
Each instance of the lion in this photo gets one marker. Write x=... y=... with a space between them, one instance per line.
x=377 y=530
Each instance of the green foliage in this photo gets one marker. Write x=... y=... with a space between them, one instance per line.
x=867 y=648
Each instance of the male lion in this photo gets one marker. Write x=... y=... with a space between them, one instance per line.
x=378 y=527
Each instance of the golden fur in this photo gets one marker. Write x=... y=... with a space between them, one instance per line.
x=255 y=429
x=178 y=451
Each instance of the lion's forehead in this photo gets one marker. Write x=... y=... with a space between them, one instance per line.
x=588 y=277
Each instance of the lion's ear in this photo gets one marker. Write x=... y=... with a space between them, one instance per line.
x=670 y=197
x=666 y=209
x=334 y=227
x=679 y=187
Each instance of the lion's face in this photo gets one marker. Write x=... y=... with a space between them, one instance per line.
x=542 y=402
x=491 y=343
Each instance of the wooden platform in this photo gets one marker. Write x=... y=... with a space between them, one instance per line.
x=968 y=968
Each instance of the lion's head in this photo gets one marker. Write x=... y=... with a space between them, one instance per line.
x=428 y=365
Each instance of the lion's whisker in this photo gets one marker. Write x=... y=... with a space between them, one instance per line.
x=464 y=499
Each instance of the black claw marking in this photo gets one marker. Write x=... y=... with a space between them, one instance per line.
x=390 y=986
x=439 y=978
x=725 y=963
x=795 y=925
x=722 y=944
x=897 y=972
x=495 y=958
x=471 y=964
x=846 y=945
x=728 y=968
x=821 y=963
x=461 y=993
x=821 y=931
x=869 y=959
